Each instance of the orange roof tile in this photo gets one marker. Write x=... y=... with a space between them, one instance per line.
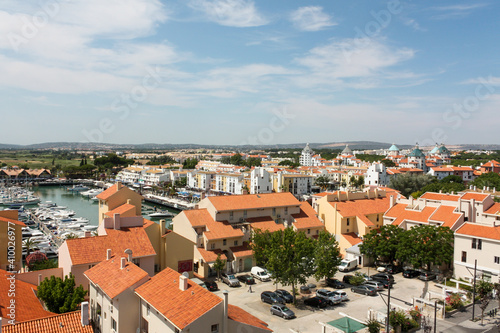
x=27 y=305
x=447 y=215
x=440 y=196
x=494 y=209
x=122 y=210
x=306 y=218
x=352 y=238
x=112 y=279
x=476 y=196
x=242 y=251
x=61 y=323
x=104 y=195
x=179 y=307
x=473 y=229
x=362 y=206
x=395 y=210
x=93 y=249
x=415 y=215
x=265 y=223
x=4 y=219
x=214 y=229
x=238 y=314
x=211 y=255
x=253 y=201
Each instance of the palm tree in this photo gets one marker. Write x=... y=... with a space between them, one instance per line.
x=29 y=244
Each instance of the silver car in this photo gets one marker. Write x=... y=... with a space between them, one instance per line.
x=375 y=284
x=230 y=280
x=282 y=311
x=329 y=296
x=342 y=294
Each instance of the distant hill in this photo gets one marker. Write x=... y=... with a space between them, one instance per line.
x=356 y=145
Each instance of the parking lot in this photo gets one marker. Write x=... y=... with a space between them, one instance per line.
x=307 y=318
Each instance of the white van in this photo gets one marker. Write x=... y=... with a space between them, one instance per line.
x=260 y=273
x=347 y=265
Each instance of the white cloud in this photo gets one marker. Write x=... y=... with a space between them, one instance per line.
x=455 y=11
x=311 y=18
x=232 y=13
x=489 y=81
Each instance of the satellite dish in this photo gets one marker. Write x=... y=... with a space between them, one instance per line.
x=186 y=274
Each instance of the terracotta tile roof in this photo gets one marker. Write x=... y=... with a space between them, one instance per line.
x=415 y=215
x=28 y=307
x=447 y=215
x=71 y=323
x=475 y=230
x=124 y=210
x=238 y=314
x=4 y=219
x=265 y=223
x=211 y=255
x=112 y=279
x=104 y=195
x=476 y=196
x=352 y=238
x=440 y=196
x=242 y=251
x=181 y=308
x=253 y=201
x=93 y=249
x=491 y=163
x=495 y=209
x=362 y=206
x=214 y=229
x=306 y=218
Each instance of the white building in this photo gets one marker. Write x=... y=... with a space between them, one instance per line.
x=260 y=181
x=306 y=156
x=376 y=175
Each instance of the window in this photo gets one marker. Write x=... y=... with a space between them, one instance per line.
x=378 y=218
x=224 y=242
x=144 y=326
x=347 y=221
x=274 y=211
x=113 y=325
x=231 y=215
x=215 y=328
x=464 y=256
x=235 y=243
x=474 y=243
x=479 y=244
x=148 y=309
x=212 y=246
x=308 y=231
x=245 y=214
x=497 y=260
x=286 y=210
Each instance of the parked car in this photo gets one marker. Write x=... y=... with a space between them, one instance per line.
x=363 y=289
x=285 y=295
x=230 y=280
x=316 y=302
x=211 y=285
x=378 y=285
x=329 y=296
x=334 y=283
x=271 y=298
x=246 y=279
x=282 y=311
x=260 y=273
x=410 y=273
x=347 y=278
x=427 y=276
x=342 y=294
x=393 y=269
x=383 y=276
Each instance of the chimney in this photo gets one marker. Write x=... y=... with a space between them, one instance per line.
x=87 y=234
x=118 y=185
x=108 y=254
x=391 y=201
x=183 y=283
x=116 y=220
x=0 y=324
x=39 y=279
x=85 y=313
x=123 y=262
x=129 y=201
x=162 y=227
x=224 y=319
x=472 y=217
x=128 y=252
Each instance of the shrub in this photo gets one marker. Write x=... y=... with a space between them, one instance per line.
x=455 y=301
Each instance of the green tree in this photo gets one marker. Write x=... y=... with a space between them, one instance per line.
x=408 y=183
x=483 y=289
x=253 y=162
x=237 y=159
x=326 y=256
x=323 y=182
x=219 y=265
x=388 y=163
x=60 y=295
x=382 y=243
x=29 y=245
x=360 y=182
x=190 y=163
x=490 y=179
x=289 y=163
x=44 y=264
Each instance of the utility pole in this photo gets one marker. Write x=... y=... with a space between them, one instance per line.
x=388 y=306
x=435 y=316
x=474 y=290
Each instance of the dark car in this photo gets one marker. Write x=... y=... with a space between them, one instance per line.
x=427 y=276
x=383 y=277
x=410 y=273
x=211 y=285
x=316 y=302
x=393 y=269
x=282 y=311
x=334 y=283
x=246 y=279
x=366 y=290
x=347 y=278
x=271 y=298
x=285 y=295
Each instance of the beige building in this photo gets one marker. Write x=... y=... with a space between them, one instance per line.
x=11 y=238
x=116 y=196
x=223 y=225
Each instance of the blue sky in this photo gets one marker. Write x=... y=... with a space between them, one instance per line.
x=241 y=71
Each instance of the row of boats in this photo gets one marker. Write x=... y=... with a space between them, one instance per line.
x=17 y=196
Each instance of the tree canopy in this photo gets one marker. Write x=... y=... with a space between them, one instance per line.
x=408 y=183
x=60 y=295
x=382 y=243
x=490 y=179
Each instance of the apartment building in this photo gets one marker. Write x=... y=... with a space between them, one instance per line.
x=297 y=184
x=465 y=173
x=115 y=196
x=201 y=180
